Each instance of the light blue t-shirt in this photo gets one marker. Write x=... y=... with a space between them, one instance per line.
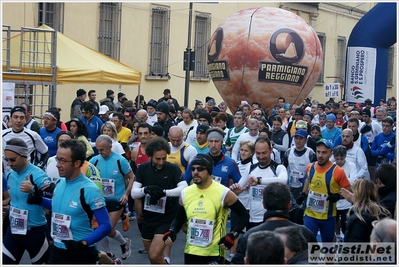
x=66 y=201
x=332 y=135
x=36 y=213
x=109 y=169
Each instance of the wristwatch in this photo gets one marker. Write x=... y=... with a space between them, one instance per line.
x=259 y=178
x=235 y=234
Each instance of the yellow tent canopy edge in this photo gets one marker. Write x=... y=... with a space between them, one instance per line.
x=76 y=63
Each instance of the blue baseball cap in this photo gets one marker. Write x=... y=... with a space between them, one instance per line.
x=301 y=133
x=324 y=142
x=331 y=117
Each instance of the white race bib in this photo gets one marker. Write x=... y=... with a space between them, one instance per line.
x=61 y=227
x=295 y=176
x=158 y=208
x=200 y=232
x=317 y=202
x=108 y=187
x=256 y=192
x=18 y=221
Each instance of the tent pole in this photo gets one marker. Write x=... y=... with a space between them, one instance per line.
x=138 y=98
x=53 y=92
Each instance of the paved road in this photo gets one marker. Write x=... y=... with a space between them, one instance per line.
x=177 y=253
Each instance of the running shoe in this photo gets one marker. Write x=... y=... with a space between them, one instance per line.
x=126 y=250
x=126 y=223
x=142 y=251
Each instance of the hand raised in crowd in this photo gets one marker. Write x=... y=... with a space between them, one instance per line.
x=236 y=188
x=348 y=195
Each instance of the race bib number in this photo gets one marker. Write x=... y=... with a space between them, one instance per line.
x=217 y=179
x=108 y=187
x=18 y=221
x=200 y=232
x=256 y=192
x=295 y=177
x=317 y=202
x=60 y=227
x=158 y=208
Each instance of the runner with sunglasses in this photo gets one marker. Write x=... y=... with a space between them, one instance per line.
x=204 y=207
x=27 y=230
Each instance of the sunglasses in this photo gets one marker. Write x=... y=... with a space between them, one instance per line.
x=12 y=159
x=199 y=169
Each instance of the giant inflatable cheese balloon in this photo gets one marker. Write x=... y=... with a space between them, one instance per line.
x=260 y=54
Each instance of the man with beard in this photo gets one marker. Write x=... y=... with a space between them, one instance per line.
x=158 y=184
x=204 y=205
x=296 y=159
x=163 y=117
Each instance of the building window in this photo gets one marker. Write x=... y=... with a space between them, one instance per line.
x=391 y=57
x=110 y=29
x=341 y=54
x=159 y=46
x=322 y=39
x=51 y=14
x=202 y=36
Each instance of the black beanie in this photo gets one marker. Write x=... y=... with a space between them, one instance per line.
x=110 y=92
x=203 y=160
x=205 y=115
x=163 y=107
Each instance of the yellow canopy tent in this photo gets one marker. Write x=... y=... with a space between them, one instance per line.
x=75 y=63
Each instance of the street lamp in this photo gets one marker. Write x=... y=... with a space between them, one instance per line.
x=187 y=57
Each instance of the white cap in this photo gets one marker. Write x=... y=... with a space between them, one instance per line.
x=103 y=110
x=308 y=109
